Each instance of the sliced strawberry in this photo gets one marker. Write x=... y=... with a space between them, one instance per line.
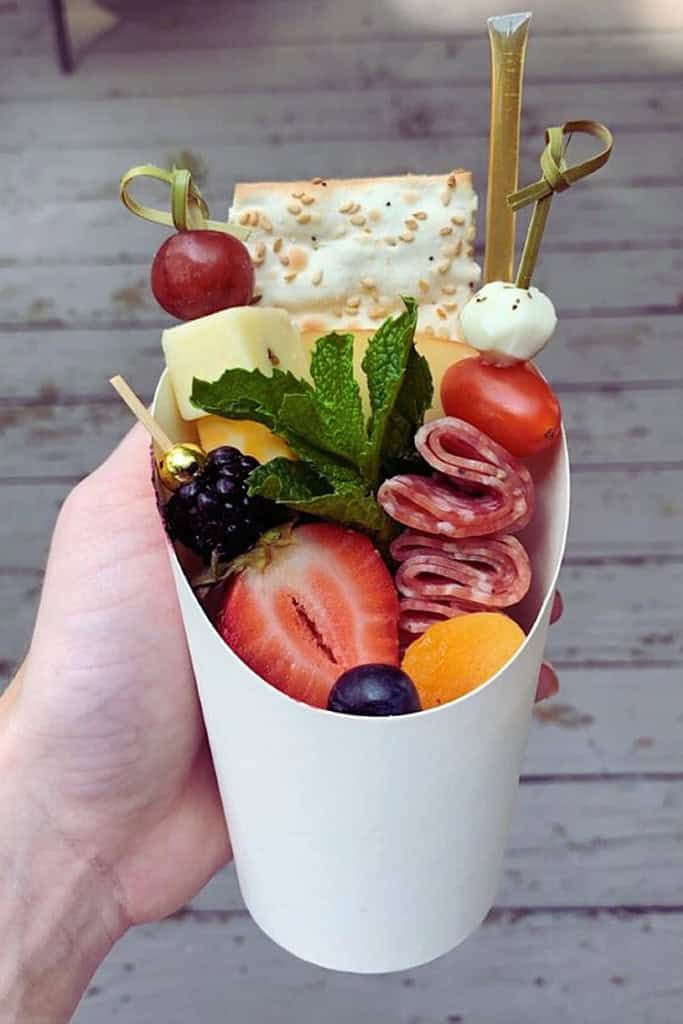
x=321 y=604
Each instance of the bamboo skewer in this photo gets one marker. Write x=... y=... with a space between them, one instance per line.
x=141 y=413
x=508 y=37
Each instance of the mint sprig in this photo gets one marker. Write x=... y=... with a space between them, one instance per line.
x=342 y=459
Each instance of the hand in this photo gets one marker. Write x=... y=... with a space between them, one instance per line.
x=103 y=721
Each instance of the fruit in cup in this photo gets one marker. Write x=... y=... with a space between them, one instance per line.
x=251 y=438
x=213 y=514
x=512 y=404
x=458 y=655
x=316 y=602
x=195 y=273
x=374 y=690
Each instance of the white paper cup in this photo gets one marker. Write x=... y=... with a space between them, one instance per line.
x=372 y=844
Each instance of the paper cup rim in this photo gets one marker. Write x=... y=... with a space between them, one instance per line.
x=397 y=721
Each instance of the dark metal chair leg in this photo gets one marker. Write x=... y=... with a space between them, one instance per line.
x=66 y=61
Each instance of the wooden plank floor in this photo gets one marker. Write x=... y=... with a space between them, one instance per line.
x=589 y=922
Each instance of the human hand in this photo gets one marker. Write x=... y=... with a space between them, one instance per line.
x=103 y=723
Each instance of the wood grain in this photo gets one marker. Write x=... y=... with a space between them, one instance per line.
x=86 y=173
x=382 y=113
x=414 y=62
x=100 y=231
x=520 y=968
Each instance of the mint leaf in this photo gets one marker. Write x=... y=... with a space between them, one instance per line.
x=301 y=489
x=247 y=394
x=331 y=417
x=414 y=398
x=400 y=389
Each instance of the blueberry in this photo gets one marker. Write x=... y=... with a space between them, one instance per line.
x=374 y=690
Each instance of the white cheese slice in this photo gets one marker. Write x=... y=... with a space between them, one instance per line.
x=245 y=337
x=339 y=254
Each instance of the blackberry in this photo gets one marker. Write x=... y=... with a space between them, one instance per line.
x=213 y=514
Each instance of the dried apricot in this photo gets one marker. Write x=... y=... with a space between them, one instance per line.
x=458 y=655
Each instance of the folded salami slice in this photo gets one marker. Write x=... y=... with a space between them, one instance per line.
x=478 y=487
x=439 y=578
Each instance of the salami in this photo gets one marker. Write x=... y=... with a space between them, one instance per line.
x=439 y=578
x=477 y=488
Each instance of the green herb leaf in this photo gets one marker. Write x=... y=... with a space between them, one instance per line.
x=331 y=417
x=247 y=394
x=400 y=388
x=301 y=489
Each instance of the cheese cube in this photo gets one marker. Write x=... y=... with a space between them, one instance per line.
x=245 y=337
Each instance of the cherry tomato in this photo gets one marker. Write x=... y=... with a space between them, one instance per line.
x=195 y=273
x=512 y=404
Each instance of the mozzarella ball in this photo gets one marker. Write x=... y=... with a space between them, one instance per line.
x=508 y=324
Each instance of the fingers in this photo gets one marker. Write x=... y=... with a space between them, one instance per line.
x=548 y=684
x=558 y=607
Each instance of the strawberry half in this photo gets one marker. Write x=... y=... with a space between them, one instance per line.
x=317 y=602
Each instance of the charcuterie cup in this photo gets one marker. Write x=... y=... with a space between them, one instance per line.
x=372 y=844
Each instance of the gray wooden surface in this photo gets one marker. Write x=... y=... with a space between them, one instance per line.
x=589 y=925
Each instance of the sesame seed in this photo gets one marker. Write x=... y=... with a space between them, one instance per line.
x=368 y=282
x=266 y=223
x=451 y=250
x=307 y=200
x=358 y=220
x=445 y=197
x=420 y=215
x=277 y=245
x=353 y=301
x=390 y=240
x=317 y=181
x=294 y=208
x=451 y=180
x=423 y=285
x=290 y=276
x=377 y=313
x=284 y=260
x=411 y=223
x=346 y=207
x=406 y=236
x=441 y=313
x=298 y=195
x=260 y=250
x=444 y=266
x=303 y=218
x=446 y=231
x=448 y=289
x=458 y=218
x=254 y=219
x=317 y=277
x=450 y=306
x=355 y=207
x=470 y=233
x=429 y=331
x=244 y=218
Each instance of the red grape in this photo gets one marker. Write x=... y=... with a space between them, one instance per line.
x=195 y=273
